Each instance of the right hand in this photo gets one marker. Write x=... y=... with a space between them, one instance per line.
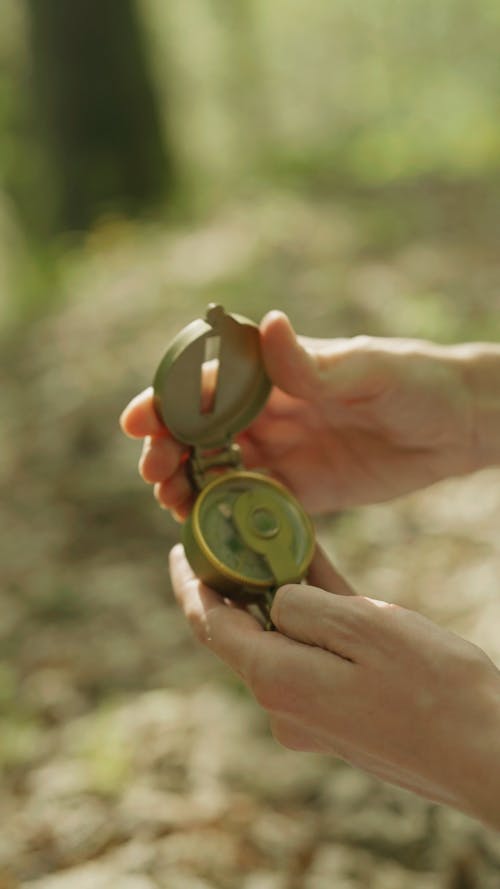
x=348 y=421
x=376 y=684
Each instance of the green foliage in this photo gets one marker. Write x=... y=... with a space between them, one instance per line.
x=8 y=686
x=377 y=93
x=104 y=749
x=20 y=742
x=323 y=95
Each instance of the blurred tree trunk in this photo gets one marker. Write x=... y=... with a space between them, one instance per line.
x=98 y=117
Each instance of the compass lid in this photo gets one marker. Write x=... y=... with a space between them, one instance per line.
x=211 y=382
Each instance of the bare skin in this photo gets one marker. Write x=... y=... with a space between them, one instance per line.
x=348 y=422
x=372 y=683
x=351 y=422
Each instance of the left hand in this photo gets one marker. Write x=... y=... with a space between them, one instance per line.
x=373 y=683
x=348 y=421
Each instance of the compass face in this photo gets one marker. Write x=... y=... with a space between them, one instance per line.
x=253 y=529
x=223 y=538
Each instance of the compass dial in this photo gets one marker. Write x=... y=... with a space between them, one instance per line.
x=242 y=519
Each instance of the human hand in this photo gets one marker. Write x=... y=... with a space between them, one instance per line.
x=372 y=683
x=348 y=421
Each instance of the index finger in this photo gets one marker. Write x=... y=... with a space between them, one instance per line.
x=230 y=633
x=140 y=418
x=282 y=673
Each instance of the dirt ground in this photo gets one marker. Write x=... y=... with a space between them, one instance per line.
x=131 y=759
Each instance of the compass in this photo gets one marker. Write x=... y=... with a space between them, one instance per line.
x=247 y=534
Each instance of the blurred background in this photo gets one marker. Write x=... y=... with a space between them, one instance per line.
x=335 y=160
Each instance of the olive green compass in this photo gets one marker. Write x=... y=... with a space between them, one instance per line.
x=246 y=534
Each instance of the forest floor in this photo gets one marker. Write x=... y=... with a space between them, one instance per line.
x=130 y=758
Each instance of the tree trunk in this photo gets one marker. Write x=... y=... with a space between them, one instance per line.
x=95 y=102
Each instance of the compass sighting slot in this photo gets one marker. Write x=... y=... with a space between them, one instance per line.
x=209 y=374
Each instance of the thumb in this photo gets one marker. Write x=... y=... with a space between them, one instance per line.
x=348 y=369
x=289 y=364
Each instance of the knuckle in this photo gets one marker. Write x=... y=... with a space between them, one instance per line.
x=362 y=342
x=355 y=618
x=337 y=631
x=358 y=621
x=367 y=610
x=367 y=355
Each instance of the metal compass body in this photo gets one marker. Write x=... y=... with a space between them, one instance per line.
x=247 y=534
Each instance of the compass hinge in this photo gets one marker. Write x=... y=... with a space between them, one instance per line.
x=205 y=464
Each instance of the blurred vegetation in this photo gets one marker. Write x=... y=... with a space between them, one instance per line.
x=341 y=162
x=319 y=97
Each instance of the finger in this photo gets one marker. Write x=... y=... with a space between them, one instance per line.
x=182 y=510
x=284 y=676
x=209 y=374
x=353 y=370
x=160 y=458
x=322 y=574
x=339 y=623
x=229 y=632
x=251 y=453
x=174 y=491
x=140 y=418
x=290 y=366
